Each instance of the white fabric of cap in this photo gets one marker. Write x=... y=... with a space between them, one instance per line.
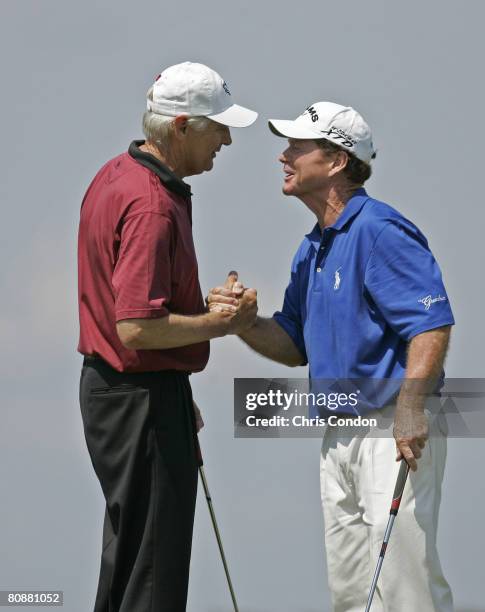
x=197 y=91
x=326 y=120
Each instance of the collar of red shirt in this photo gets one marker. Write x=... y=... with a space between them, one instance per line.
x=166 y=176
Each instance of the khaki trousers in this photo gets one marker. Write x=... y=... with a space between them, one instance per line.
x=357 y=476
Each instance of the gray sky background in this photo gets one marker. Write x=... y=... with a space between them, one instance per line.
x=74 y=76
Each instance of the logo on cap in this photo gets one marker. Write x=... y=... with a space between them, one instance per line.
x=226 y=88
x=313 y=113
x=338 y=134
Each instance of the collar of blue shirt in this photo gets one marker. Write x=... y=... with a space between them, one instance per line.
x=352 y=209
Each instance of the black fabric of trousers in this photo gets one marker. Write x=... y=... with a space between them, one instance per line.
x=140 y=433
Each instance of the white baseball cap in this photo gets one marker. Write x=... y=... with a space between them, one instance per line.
x=325 y=120
x=197 y=91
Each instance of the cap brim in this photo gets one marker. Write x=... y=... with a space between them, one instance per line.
x=293 y=129
x=235 y=116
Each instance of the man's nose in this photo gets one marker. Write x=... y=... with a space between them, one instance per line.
x=226 y=139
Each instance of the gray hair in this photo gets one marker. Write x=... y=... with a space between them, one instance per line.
x=157 y=128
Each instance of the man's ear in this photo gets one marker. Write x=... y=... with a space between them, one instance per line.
x=339 y=162
x=180 y=125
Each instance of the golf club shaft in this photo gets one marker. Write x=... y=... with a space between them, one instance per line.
x=396 y=502
x=218 y=536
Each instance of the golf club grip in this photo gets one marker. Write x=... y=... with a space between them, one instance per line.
x=399 y=488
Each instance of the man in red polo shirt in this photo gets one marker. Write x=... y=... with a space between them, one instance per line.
x=144 y=328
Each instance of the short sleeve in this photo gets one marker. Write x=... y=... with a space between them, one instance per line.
x=290 y=317
x=142 y=275
x=404 y=281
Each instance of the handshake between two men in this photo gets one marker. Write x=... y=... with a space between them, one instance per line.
x=238 y=305
x=237 y=302
x=264 y=335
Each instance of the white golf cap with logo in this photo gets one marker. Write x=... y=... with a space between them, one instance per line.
x=341 y=125
x=197 y=91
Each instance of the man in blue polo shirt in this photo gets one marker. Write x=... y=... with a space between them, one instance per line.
x=365 y=301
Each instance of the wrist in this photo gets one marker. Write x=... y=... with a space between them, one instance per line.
x=218 y=322
x=246 y=333
x=411 y=402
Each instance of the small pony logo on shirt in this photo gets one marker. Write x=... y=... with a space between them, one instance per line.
x=337 y=279
x=428 y=301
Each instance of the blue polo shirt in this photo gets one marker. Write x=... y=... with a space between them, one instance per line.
x=360 y=290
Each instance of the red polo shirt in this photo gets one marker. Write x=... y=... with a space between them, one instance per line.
x=136 y=260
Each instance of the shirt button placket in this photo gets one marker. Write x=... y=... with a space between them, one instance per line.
x=320 y=257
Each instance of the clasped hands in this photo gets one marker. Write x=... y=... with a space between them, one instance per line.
x=237 y=304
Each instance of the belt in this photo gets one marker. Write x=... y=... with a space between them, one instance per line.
x=94 y=360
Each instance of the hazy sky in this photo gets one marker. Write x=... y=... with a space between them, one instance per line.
x=74 y=77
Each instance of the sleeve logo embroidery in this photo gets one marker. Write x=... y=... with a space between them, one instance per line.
x=428 y=301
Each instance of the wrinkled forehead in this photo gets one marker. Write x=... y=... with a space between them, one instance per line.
x=300 y=141
x=306 y=144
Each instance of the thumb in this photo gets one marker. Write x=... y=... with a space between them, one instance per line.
x=251 y=293
x=231 y=279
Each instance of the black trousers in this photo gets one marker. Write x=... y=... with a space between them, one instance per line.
x=140 y=433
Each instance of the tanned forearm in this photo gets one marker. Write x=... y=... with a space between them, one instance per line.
x=269 y=339
x=426 y=356
x=172 y=330
x=425 y=359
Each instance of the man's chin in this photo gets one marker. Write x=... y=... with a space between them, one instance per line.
x=288 y=189
x=207 y=168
